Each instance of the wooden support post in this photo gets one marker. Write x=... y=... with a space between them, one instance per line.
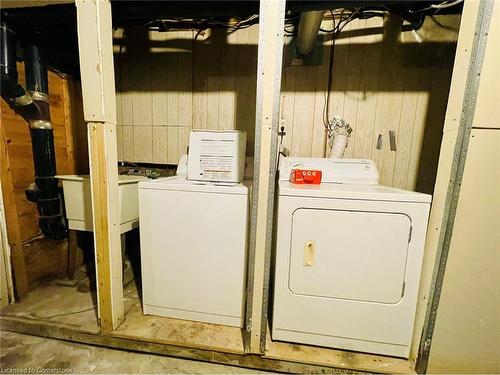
x=99 y=103
x=104 y=185
x=271 y=25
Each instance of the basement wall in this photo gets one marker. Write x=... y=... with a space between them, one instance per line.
x=384 y=79
x=37 y=258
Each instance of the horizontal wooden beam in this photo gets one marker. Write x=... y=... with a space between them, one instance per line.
x=57 y=331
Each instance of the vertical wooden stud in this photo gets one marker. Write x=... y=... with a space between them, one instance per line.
x=99 y=101
x=107 y=243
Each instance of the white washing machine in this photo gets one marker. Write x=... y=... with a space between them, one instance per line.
x=348 y=259
x=193 y=249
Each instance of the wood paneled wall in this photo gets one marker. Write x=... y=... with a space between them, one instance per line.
x=384 y=79
x=38 y=259
x=161 y=97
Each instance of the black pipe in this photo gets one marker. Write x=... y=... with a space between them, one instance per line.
x=35 y=60
x=33 y=105
x=12 y=92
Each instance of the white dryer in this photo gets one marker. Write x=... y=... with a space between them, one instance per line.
x=348 y=259
x=193 y=249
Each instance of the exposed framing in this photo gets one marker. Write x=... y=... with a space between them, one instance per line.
x=469 y=55
x=99 y=106
x=269 y=64
x=243 y=360
x=99 y=103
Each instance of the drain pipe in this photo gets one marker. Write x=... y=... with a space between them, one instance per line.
x=309 y=25
x=33 y=105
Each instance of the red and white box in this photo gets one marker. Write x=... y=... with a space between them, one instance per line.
x=305 y=176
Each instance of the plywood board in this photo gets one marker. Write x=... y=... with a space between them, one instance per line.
x=175 y=331
x=336 y=358
x=56 y=331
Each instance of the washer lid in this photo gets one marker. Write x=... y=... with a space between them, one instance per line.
x=351 y=191
x=180 y=183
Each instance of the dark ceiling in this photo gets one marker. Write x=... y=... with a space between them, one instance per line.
x=58 y=22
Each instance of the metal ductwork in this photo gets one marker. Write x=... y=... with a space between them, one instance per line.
x=32 y=104
x=309 y=25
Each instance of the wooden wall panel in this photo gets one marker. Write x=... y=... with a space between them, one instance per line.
x=20 y=153
x=383 y=79
x=156 y=103
x=71 y=157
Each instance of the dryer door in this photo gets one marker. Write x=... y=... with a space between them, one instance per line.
x=349 y=255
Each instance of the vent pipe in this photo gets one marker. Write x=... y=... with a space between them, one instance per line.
x=309 y=25
x=32 y=104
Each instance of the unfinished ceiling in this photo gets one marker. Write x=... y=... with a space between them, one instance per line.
x=56 y=19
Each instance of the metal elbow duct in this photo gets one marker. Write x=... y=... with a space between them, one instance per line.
x=309 y=25
x=33 y=105
x=12 y=92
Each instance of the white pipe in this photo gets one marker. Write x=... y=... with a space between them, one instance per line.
x=309 y=25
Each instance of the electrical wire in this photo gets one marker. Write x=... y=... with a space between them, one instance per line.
x=166 y=24
x=445 y=4
x=120 y=50
x=38 y=316
x=337 y=28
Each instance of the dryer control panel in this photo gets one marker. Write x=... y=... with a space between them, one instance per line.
x=346 y=171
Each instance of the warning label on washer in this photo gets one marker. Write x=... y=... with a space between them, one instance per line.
x=216 y=167
x=216 y=159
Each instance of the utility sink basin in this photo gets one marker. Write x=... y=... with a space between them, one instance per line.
x=78 y=201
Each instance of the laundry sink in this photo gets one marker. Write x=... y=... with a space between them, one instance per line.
x=78 y=201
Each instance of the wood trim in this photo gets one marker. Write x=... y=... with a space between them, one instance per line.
x=13 y=230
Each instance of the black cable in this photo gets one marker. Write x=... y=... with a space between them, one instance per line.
x=119 y=81
x=163 y=25
x=63 y=314
x=193 y=60
x=326 y=107
x=337 y=28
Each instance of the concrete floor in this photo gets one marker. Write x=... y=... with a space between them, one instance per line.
x=22 y=353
